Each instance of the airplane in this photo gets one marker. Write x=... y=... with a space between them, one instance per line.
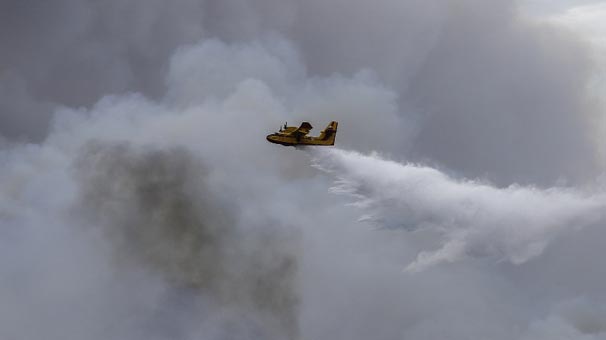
x=293 y=136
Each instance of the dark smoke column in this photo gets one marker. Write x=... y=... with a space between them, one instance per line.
x=157 y=212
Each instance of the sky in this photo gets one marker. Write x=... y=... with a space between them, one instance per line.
x=546 y=7
x=464 y=198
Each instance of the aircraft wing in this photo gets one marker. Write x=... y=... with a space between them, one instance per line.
x=301 y=130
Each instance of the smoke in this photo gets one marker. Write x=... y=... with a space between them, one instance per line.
x=576 y=318
x=475 y=219
x=140 y=200
x=156 y=210
x=172 y=212
x=472 y=79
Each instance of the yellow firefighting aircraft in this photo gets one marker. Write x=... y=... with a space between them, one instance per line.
x=292 y=135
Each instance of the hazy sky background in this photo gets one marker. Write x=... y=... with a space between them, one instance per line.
x=547 y=8
x=464 y=199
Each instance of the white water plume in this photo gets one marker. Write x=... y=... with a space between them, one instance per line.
x=475 y=219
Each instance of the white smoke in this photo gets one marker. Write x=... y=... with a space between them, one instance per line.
x=577 y=318
x=162 y=189
x=475 y=219
x=153 y=208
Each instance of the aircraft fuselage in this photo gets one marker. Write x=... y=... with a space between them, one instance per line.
x=293 y=136
x=281 y=139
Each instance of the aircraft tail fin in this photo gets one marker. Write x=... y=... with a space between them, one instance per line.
x=329 y=133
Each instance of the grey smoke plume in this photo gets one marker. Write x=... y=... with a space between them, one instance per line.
x=149 y=205
x=474 y=79
x=158 y=214
x=178 y=218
